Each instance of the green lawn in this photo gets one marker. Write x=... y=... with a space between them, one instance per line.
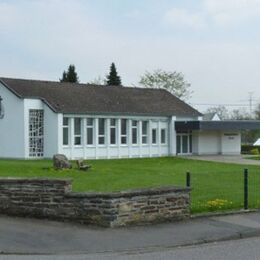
x=253 y=157
x=216 y=186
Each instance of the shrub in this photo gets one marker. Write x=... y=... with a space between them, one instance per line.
x=246 y=149
x=255 y=151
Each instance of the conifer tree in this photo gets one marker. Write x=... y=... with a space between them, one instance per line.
x=70 y=75
x=113 y=78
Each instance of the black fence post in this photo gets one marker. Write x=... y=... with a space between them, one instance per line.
x=245 y=188
x=187 y=179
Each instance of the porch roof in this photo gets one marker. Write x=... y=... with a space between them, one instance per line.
x=218 y=125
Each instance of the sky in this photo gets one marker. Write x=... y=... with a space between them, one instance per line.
x=214 y=43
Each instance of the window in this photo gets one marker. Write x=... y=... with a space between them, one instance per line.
x=154 y=136
x=101 y=131
x=90 y=131
x=36 y=128
x=112 y=131
x=144 y=132
x=123 y=131
x=134 y=132
x=77 y=131
x=163 y=136
x=1 y=108
x=65 y=129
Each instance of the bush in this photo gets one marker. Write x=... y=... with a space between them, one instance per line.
x=254 y=151
x=246 y=149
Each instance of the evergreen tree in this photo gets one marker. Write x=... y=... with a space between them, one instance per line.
x=113 y=78
x=70 y=75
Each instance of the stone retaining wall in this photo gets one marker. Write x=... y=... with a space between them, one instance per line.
x=54 y=199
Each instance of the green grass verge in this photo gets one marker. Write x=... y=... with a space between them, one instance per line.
x=215 y=186
x=253 y=157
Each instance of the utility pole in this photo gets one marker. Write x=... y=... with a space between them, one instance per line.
x=250 y=99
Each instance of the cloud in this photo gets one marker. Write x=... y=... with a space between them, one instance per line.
x=178 y=17
x=232 y=12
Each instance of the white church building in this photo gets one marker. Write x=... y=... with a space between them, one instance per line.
x=41 y=118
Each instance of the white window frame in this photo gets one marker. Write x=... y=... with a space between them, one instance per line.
x=90 y=126
x=102 y=135
x=124 y=135
x=77 y=135
x=165 y=130
x=115 y=129
x=66 y=127
x=136 y=128
x=156 y=136
x=145 y=135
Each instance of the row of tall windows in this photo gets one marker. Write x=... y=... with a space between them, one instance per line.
x=114 y=130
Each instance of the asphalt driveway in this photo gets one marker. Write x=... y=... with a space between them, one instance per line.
x=237 y=159
x=32 y=236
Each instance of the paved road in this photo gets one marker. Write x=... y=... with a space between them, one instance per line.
x=28 y=236
x=237 y=159
x=229 y=250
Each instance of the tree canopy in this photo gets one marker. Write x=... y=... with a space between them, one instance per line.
x=174 y=82
x=257 y=112
x=70 y=75
x=113 y=78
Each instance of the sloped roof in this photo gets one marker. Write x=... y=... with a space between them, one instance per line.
x=85 y=98
x=209 y=116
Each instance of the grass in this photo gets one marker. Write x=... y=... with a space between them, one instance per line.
x=216 y=186
x=255 y=157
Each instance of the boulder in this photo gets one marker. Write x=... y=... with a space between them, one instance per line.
x=60 y=161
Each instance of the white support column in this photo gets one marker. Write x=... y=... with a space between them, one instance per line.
x=159 y=138
x=139 y=129
x=71 y=127
x=84 y=137
x=129 y=137
x=172 y=136
x=96 y=136
x=107 y=136
x=149 y=138
x=60 y=133
x=119 y=137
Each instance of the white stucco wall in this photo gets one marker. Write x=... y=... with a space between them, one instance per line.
x=216 y=142
x=51 y=132
x=195 y=142
x=209 y=142
x=11 y=126
x=230 y=142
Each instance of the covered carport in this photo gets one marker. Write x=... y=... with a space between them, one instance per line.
x=213 y=137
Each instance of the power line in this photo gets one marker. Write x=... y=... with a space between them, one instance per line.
x=218 y=104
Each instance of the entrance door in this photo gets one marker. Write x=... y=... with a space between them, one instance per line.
x=36 y=133
x=184 y=143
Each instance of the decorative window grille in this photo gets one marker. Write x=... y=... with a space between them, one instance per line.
x=112 y=131
x=101 y=131
x=123 y=131
x=144 y=132
x=90 y=131
x=134 y=132
x=36 y=127
x=65 y=131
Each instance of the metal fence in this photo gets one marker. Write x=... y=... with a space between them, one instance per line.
x=227 y=192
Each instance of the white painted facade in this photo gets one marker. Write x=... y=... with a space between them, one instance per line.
x=216 y=142
x=117 y=149
x=159 y=138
